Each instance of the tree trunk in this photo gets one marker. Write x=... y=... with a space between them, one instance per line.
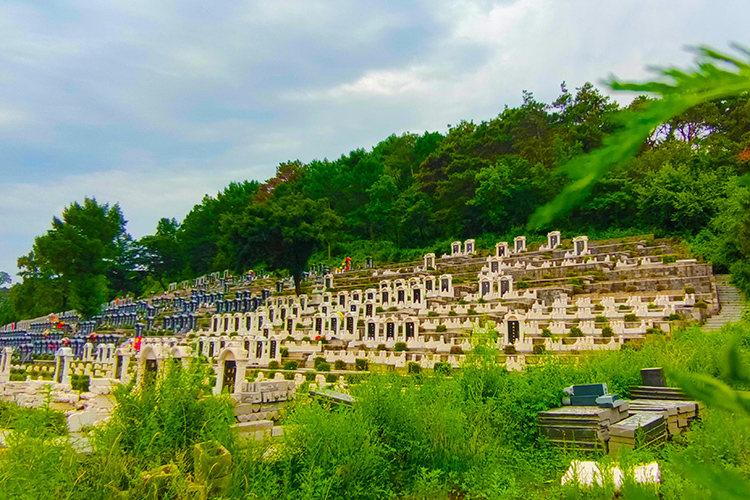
x=298 y=284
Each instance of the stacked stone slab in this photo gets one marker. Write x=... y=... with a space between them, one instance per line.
x=580 y=427
x=642 y=428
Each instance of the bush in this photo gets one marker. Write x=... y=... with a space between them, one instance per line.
x=598 y=307
x=339 y=364
x=452 y=313
x=689 y=290
x=360 y=322
x=379 y=309
x=355 y=378
x=546 y=333
x=432 y=314
x=332 y=378
x=442 y=368
x=381 y=347
x=539 y=349
x=80 y=382
x=392 y=309
x=510 y=349
x=607 y=332
x=601 y=319
x=675 y=317
x=472 y=312
x=701 y=305
x=291 y=365
x=630 y=318
x=522 y=285
x=441 y=328
x=305 y=339
x=400 y=346
x=654 y=331
x=360 y=364
x=413 y=368
x=668 y=259
x=273 y=365
x=289 y=338
x=575 y=332
x=623 y=307
x=456 y=349
x=317 y=361
x=323 y=367
x=310 y=376
x=284 y=351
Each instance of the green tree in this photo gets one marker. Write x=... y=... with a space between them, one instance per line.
x=79 y=250
x=282 y=233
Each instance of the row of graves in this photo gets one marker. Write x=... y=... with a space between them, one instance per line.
x=564 y=296
x=591 y=419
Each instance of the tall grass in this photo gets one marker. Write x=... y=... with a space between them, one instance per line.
x=469 y=436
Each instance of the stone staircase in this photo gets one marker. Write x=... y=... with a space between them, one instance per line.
x=732 y=304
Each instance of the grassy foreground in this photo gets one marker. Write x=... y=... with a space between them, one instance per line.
x=469 y=436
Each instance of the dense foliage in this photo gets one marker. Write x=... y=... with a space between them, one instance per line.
x=417 y=192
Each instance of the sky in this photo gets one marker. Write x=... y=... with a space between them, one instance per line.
x=153 y=105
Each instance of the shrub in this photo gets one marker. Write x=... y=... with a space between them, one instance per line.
x=305 y=339
x=234 y=334
x=623 y=307
x=442 y=368
x=452 y=313
x=668 y=259
x=601 y=319
x=273 y=365
x=481 y=301
x=80 y=382
x=689 y=290
x=339 y=364
x=360 y=365
x=379 y=309
x=539 y=349
x=432 y=314
x=298 y=326
x=575 y=332
x=441 y=328
x=631 y=288
x=654 y=331
x=284 y=351
x=291 y=365
x=701 y=305
x=598 y=307
x=472 y=312
x=393 y=309
x=360 y=322
x=522 y=285
x=380 y=347
x=413 y=368
x=289 y=338
x=607 y=331
x=323 y=367
x=400 y=346
x=675 y=317
x=310 y=376
x=354 y=378
x=456 y=349
x=653 y=306
x=318 y=360
x=510 y=349
x=630 y=318
x=332 y=378
x=462 y=302
x=546 y=333
x=577 y=290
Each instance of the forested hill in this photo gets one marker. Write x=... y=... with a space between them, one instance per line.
x=413 y=193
